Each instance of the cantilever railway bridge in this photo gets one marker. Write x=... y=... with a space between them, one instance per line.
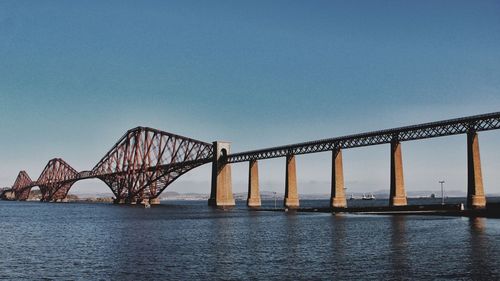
x=140 y=165
x=145 y=161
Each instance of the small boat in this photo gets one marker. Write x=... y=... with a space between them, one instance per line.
x=369 y=197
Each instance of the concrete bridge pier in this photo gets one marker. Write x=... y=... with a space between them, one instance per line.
x=152 y=191
x=131 y=200
x=475 y=189
x=291 y=193
x=154 y=201
x=118 y=201
x=337 y=199
x=221 y=194
x=398 y=193
x=150 y=201
x=253 y=200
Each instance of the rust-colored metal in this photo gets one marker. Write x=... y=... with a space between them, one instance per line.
x=145 y=161
x=139 y=166
x=22 y=186
x=56 y=180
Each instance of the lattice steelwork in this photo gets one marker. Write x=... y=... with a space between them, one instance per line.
x=140 y=166
x=422 y=131
x=22 y=186
x=56 y=180
x=145 y=161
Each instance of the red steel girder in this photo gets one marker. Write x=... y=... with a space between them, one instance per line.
x=145 y=161
x=56 y=180
x=22 y=186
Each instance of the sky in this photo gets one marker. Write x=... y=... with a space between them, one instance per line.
x=75 y=75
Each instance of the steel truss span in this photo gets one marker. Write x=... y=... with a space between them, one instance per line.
x=56 y=180
x=139 y=166
x=22 y=186
x=145 y=161
x=450 y=127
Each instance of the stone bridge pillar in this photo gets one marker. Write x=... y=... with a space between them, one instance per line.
x=337 y=199
x=221 y=194
x=475 y=190
x=291 y=194
x=152 y=191
x=253 y=200
x=398 y=193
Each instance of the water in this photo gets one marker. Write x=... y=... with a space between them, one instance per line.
x=186 y=240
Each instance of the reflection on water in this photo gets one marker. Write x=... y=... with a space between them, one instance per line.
x=399 y=249
x=187 y=240
x=223 y=248
x=338 y=235
x=482 y=263
x=339 y=246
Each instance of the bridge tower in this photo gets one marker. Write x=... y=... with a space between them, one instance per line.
x=221 y=194
x=398 y=193
x=291 y=192
x=337 y=199
x=475 y=189
x=253 y=200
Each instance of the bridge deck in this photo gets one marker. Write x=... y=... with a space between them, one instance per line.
x=456 y=126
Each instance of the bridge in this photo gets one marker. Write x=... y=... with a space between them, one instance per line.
x=145 y=161
x=138 y=167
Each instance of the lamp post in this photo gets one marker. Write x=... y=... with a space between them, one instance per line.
x=442 y=192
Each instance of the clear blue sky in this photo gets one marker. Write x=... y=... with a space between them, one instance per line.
x=75 y=75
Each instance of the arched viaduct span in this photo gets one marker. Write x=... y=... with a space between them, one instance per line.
x=145 y=161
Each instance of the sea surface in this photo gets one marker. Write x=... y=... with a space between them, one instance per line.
x=186 y=240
